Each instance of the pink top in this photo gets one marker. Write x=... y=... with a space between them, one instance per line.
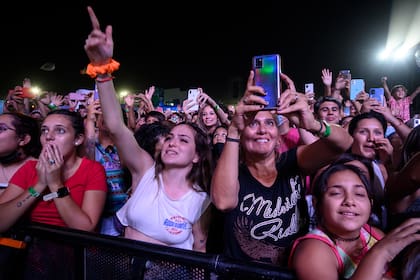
x=400 y=108
x=290 y=140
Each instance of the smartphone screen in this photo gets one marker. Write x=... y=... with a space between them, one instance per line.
x=346 y=110
x=378 y=94
x=267 y=75
x=356 y=86
x=345 y=74
x=95 y=93
x=192 y=95
x=309 y=88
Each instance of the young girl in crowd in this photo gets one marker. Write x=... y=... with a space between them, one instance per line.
x=398 y=100
x=169 y=194
x=343 y=245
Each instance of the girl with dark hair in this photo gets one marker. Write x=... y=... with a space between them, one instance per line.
x=369 y=141
x=343 y=245
x=61 y=188
x=19 y=138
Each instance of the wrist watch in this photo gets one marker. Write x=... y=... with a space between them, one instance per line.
x=61 y=192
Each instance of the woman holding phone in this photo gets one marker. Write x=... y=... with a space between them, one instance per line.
x=262 y=192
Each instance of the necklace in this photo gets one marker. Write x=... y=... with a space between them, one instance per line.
x=338 y=238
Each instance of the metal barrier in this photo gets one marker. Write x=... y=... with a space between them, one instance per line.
x=106 y=257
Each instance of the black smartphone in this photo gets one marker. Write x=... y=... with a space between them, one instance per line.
x=267 y=75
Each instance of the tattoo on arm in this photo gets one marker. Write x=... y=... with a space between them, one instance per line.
x=20 y=203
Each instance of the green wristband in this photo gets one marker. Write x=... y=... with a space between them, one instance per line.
x=52 y=106
x=327 y=131
x=33 y=192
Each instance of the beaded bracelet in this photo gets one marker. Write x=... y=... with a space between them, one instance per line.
x=33 y=192
x=107 y=68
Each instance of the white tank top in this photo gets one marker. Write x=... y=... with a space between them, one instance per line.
x=150 y=211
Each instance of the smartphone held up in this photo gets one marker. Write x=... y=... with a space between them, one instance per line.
x=309 y=88
x=193 y=96
x=267 y=75
x=378 y=94
x=345 y=74
x=356 y=86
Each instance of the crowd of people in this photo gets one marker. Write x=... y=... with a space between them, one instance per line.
x=327 y=192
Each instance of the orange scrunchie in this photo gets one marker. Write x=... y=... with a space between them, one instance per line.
x=108 y=68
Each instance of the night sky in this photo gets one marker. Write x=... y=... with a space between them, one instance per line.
x=172 y=44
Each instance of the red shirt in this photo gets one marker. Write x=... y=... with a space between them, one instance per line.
x=89 y=176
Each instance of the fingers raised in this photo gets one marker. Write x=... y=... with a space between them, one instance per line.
x=93 y=18
x=290 y=84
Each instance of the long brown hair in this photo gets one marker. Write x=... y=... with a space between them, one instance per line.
x=201 y=171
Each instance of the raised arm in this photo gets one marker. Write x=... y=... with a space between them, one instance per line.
x=90 y=128
x=387 y=92
x=415 y=93
x=225 y=184
x=99 y=48
x=205 y=98
x=400 y=127
x=326 y=76
x=333 y=141
x=129 y=107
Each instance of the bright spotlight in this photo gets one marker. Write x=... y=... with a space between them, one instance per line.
x=36 y=91
x=403 y=30
x=400 y=54
x=384 y=55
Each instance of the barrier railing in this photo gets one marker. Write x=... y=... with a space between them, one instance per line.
x=107 y=257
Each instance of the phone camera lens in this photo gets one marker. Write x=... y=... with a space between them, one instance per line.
x=258 y=63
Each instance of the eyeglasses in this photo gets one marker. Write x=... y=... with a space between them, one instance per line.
x=4 y=127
